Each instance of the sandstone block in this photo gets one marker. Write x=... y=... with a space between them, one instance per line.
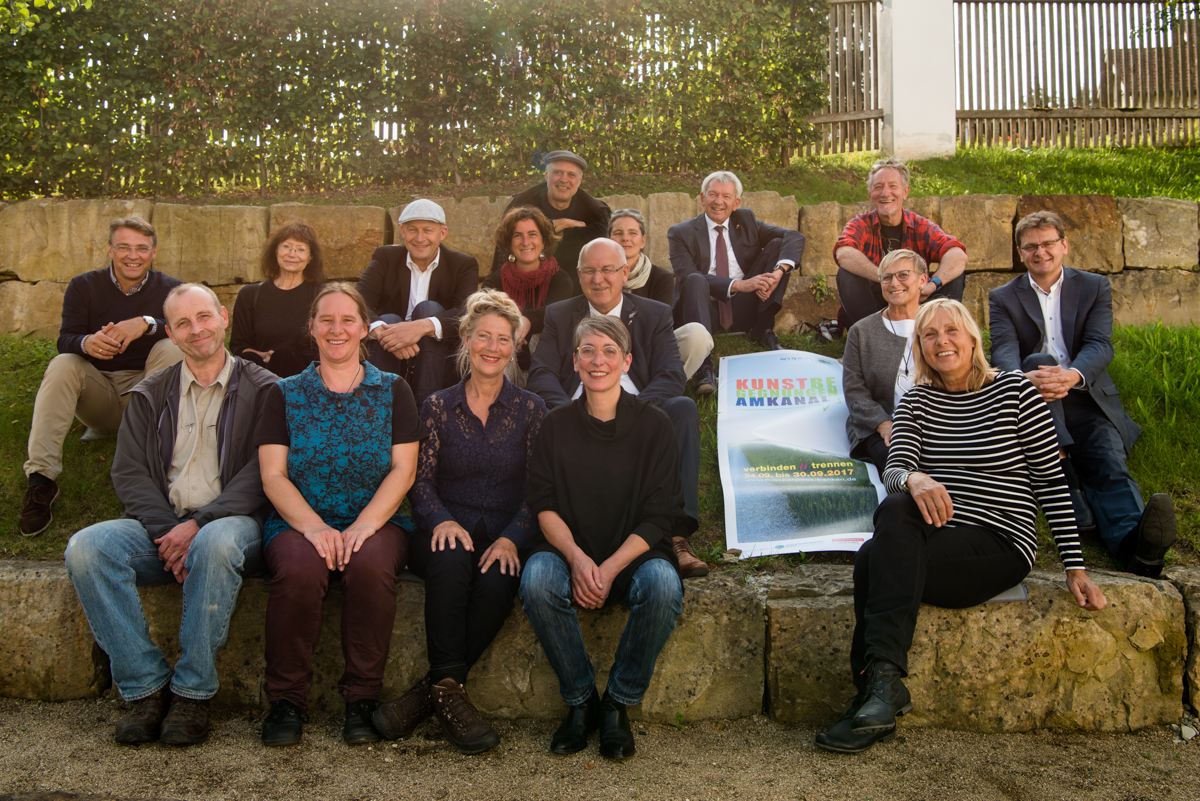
x=822 y=225
x=665 y=209
x=773 y=209
x=1043 y=663
x=228 y=295
x=929 y=207
x=1160 y=231
x=1187 y=581
x=1093 y=225
x=47 y=652
x=56 y=240
x=712 y=666
x=1142 y=297
x=975 y=293
x=211 y=244
x=471 y=224
x=809 y=299
x=984 y=223
x=348 y=234
x=31 y=309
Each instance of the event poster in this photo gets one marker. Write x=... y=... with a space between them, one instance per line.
x=790 y=484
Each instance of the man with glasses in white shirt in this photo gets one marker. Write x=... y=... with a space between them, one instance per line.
x=1055 y=325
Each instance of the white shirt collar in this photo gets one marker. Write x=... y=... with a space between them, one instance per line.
x=615 y=311
x=413 y=266
x=1053 y=287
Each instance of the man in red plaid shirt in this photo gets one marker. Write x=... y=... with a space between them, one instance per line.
x=871 y=236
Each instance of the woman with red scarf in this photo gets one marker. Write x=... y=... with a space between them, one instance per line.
x=530 y=276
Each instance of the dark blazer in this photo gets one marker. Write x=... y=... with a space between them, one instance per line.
x=1087 y=317
x=386 y=281
x=690 y=251
x=656 y=370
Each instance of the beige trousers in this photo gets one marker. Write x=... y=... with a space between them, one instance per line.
x=695 y=343
x=73 y=387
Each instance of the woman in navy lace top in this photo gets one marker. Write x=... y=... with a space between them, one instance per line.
x=337 y=446
x=472 y=522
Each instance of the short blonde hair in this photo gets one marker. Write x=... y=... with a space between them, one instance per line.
x=918 y=263
x=981 y=372
x=475 y=308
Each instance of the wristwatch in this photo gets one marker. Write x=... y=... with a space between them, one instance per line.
x=151 y=323
x=936 y=282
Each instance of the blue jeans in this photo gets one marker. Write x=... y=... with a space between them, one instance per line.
x=108 y=561
x=426 y=371
x=655 y=599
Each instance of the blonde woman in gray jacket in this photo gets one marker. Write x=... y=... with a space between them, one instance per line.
x=878 y=367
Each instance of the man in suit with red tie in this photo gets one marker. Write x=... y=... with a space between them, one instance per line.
x=730 y=268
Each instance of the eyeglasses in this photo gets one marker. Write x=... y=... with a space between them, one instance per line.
x=611 y=353
x=588 y=272
x=1034 y=247
x=903 y=277
x=125 y=250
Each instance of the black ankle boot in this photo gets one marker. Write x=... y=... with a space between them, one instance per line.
x=886 y=699
x=841 y=739
x=616 y=737
x=581 y=721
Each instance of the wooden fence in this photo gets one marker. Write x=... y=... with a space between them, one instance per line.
x=854 y=116
x=1075 y=74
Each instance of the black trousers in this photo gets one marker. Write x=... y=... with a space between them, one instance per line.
x=862 y=298
x=695 y=304
x=464 y=609
x=909 y=562
x=873 y=450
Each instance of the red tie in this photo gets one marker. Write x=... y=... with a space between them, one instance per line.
x=724 y=307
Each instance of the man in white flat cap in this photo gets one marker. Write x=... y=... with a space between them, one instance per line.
x=576 y=215
x=415 y=293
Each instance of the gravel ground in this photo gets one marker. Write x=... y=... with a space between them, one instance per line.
x=64 y=750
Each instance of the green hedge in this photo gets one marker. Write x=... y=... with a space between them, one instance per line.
x=136 y=96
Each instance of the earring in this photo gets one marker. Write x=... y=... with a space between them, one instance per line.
x=541 y=257
x=512 y=257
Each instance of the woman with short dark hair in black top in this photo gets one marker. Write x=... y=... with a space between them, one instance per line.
x=270 y=319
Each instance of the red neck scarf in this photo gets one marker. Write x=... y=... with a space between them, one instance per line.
x=528 y=290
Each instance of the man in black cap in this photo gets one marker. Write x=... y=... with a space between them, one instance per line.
x=576 y=215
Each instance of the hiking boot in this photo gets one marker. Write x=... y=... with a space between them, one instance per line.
x=187 y=721
x=460 y=719
x=398 y=718
x=143 y=720
x=35 y=509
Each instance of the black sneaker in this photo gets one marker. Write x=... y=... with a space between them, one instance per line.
x=358 y=729
x=284 y=725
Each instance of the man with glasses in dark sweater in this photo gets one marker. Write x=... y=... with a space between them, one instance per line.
x=112 y=336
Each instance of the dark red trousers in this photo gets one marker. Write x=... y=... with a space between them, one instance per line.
x=299 y=583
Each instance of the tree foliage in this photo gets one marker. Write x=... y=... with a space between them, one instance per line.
x=19 y=18
x=136 y=96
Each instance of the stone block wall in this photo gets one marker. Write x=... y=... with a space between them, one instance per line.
x=1044 y=663
x=1150 y=247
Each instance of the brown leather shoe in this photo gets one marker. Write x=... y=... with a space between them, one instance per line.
x=142 y=722
x=460 y=720
x=186 y=723
x=35 y=509
x=398 y=718
x=690 y=565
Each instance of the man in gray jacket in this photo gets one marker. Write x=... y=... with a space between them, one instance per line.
x=187 y=472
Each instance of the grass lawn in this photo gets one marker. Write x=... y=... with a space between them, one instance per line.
x=1122 y=172
x=1157 y=370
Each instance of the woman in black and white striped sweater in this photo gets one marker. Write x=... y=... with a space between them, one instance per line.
x=973 y=453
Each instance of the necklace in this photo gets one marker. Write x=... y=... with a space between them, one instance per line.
x=905 y=363
x=321 y=373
